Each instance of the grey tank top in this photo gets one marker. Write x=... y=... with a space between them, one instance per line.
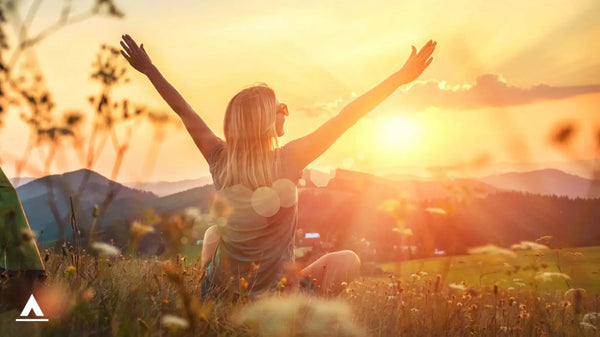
x=257 y=239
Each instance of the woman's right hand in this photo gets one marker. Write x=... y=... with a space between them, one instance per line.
x=136 y=56
x=417 y=62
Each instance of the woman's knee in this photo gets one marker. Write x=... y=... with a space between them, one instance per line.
x=346 y=260
x=211 y=235
x=349 y=259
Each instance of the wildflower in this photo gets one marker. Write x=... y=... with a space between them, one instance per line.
x=528 y=245
x=165 y=301
x=414 y=311
x=174 y=322
x=280 y=285
x=243 y=284
x=592 y=318
x=138 y=230
x=573 y=291
x=191 y=213
x=587 y=326
x=457 y=286
x=577 y=300
x=438 y=281
x=106 y=249
x=565 y=304
x=307 y=316
x=435 y=210
x=548 y=276
x=71 y=269
x=492 y=250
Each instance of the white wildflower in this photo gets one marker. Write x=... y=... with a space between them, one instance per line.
x=587 y=326
x=436 y=210
x=574 y=290
x=528 y=245
x=298 y=316
x=492 y=250
x=457 y=286
x=191 y=213
x=106 y=249
x=591 y=318
x=174 y=322
x=548 y=276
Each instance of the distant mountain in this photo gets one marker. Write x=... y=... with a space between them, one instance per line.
x=175 y=203
x=547 y=182
x=163 y=188
x=414 y=189
x=346 y=207
x=38 y=195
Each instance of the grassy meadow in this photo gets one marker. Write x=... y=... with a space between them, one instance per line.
x=534 y=293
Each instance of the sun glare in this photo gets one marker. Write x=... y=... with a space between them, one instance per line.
x=399 y=132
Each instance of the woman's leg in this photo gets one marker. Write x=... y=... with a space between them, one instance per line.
x=209 y=245
x=330 y=270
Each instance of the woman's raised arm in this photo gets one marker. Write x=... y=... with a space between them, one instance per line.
x=308 y=148
x=202 y=135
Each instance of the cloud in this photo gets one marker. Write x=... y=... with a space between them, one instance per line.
x=489 y=90
x=325 y=108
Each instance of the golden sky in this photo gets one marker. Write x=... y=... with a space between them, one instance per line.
x=504 y=74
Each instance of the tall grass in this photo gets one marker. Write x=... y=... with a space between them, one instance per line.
x=129 y=296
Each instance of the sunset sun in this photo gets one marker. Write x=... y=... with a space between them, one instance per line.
x=399 y=133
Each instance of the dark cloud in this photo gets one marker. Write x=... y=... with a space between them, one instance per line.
x=489 y=90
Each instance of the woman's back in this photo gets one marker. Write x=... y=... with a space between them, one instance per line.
x=257 y=238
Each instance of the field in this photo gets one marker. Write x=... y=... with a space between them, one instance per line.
x=526 y=295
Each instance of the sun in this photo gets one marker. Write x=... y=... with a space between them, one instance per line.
x=399 y=133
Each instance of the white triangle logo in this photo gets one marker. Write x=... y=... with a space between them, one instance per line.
x=32 y=304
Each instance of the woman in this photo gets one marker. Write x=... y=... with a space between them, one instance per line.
x=253 y=250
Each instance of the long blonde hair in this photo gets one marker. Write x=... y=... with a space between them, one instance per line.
x=251 y=139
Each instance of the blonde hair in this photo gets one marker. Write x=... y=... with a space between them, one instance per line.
x=251 y=139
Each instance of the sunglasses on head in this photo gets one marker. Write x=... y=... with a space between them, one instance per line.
x=283 y=109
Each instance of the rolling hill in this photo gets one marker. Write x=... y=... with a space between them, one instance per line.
x=547 y=182
x=39 y=195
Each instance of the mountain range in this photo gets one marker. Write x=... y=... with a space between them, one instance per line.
x=350 y=199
